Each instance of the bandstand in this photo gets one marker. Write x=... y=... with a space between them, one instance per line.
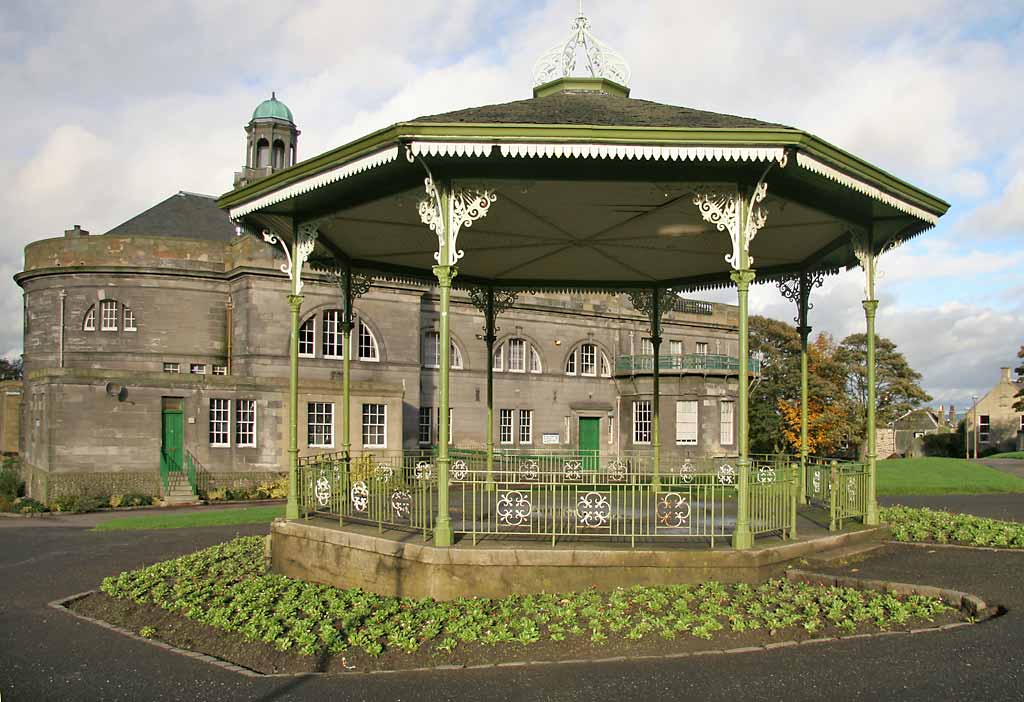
x=579 y=189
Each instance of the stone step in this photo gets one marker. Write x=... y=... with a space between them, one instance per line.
x=845 y=554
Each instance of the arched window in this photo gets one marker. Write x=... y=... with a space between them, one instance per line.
x=519 y=355
x=432 y=352
x=262 y=153
x=278 y=153
x=307 y=336
x=535 y=364
x=331 y=336
x=588 y=360
x=368 y=350
x=89 y=323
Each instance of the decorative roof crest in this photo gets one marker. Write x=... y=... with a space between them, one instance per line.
x=601 y=60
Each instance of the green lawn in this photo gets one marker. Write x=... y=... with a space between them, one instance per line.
x=214 y=517
x=1008 y=454
x=942 y=476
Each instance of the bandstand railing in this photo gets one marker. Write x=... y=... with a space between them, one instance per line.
x=841 y=487
x=552 y=494
x=684 y=362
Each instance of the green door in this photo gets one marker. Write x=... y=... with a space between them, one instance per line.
x=172 y=437
x=590 y=437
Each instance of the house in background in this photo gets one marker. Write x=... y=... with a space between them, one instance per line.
x=998 y=425
x=904 y=436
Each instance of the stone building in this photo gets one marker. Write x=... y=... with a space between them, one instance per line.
x=167 y=338
x=999 y=427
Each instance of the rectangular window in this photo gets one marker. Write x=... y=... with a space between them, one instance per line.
x=245 y=422
x=646 y=347
x=129 y=320
x=172 y=367
x=686 y=422
x=320 y=424
x=108 y=315
x=588 y=359
x=220 y=370
x=526 y=426
x=307 y=332
x=332 y=335
x=641 y=421
x=675 y=347
x=425 y=425
x=517 y=355
x=498 y=362
x=220 y=417
x=375 y=425
x=726 y=435
x=197 y=368
x=505 y=426
x=702 y=348
x=984 y=428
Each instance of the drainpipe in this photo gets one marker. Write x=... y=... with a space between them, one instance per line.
x=60 y=352
x=230 y=312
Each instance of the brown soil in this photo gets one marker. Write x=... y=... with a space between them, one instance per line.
x=182 y=632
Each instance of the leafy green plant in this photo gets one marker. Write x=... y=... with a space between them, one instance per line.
x=923 y=524
x=147 y=632
x=26 y=505
x=228 y=587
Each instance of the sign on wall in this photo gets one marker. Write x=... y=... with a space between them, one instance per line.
x=550 y=439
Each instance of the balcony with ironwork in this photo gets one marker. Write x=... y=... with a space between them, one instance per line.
x=680 y=364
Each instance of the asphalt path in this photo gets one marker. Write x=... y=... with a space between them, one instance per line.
x=49 y=655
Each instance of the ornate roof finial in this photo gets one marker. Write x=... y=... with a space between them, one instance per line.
x=560 y=60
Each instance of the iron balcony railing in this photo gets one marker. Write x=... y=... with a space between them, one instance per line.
x=684 y=362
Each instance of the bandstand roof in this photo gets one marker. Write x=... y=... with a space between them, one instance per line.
x=595 y=190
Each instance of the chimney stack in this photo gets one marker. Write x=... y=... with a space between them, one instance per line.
x=1007 y=378
x=952 y=415
x=77 y=231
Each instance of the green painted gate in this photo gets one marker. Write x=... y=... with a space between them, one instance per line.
x=589 y=443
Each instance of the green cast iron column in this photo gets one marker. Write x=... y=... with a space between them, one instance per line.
x=743 y=536
x=804 y=333
x=656 y=409
x=489 y=338
x=444 y=274
x=870 y=307
x=292 y=508
x=346 y=352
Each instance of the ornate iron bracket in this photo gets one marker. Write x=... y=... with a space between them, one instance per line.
x=652 y=303
x=491 y=302
x=305 y=243
x=864 y=250
x=797 y=288
x=465 y=206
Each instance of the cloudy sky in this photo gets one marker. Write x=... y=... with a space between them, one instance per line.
x=113 y=106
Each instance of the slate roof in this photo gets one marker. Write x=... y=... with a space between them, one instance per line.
x=597 y=109
x=186 y=215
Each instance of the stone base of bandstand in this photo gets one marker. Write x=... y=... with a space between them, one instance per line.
x=403 y=564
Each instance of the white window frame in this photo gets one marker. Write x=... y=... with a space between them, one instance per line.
x=382 y=426
x=129 y=318
x=89 y=323
x=593 y=361
x=701 y=348
x=247 y=425
x=451 y=423
x=984 y=428
x=331 y=335
x=171 y=367
x=197 y=369
x=434 y=342
x=428 y=425
x=311 y=341
x=319 y=411
x=536 y=363
x=498 y=361
x=606 y=366
x=642 y=422
x=570 y=363
x=108 y=322
x=220 y=370
x=646 y=346
x=517 y=355
x=363 y=331
x=505 y=435
x=687 y=422
x=727 y=422
x=675 y=347
x=526 y=426
x=220 y=415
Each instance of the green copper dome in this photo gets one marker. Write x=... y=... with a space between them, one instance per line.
x=273 y=109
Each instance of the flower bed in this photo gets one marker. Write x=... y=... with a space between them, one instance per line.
x=923 y=524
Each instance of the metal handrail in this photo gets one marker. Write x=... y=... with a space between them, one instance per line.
x=686 y=361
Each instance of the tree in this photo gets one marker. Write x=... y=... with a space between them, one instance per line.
x=1018 y=406
x=10 y=370
x=896 y=384
x=778 y=346
x=828 y=410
